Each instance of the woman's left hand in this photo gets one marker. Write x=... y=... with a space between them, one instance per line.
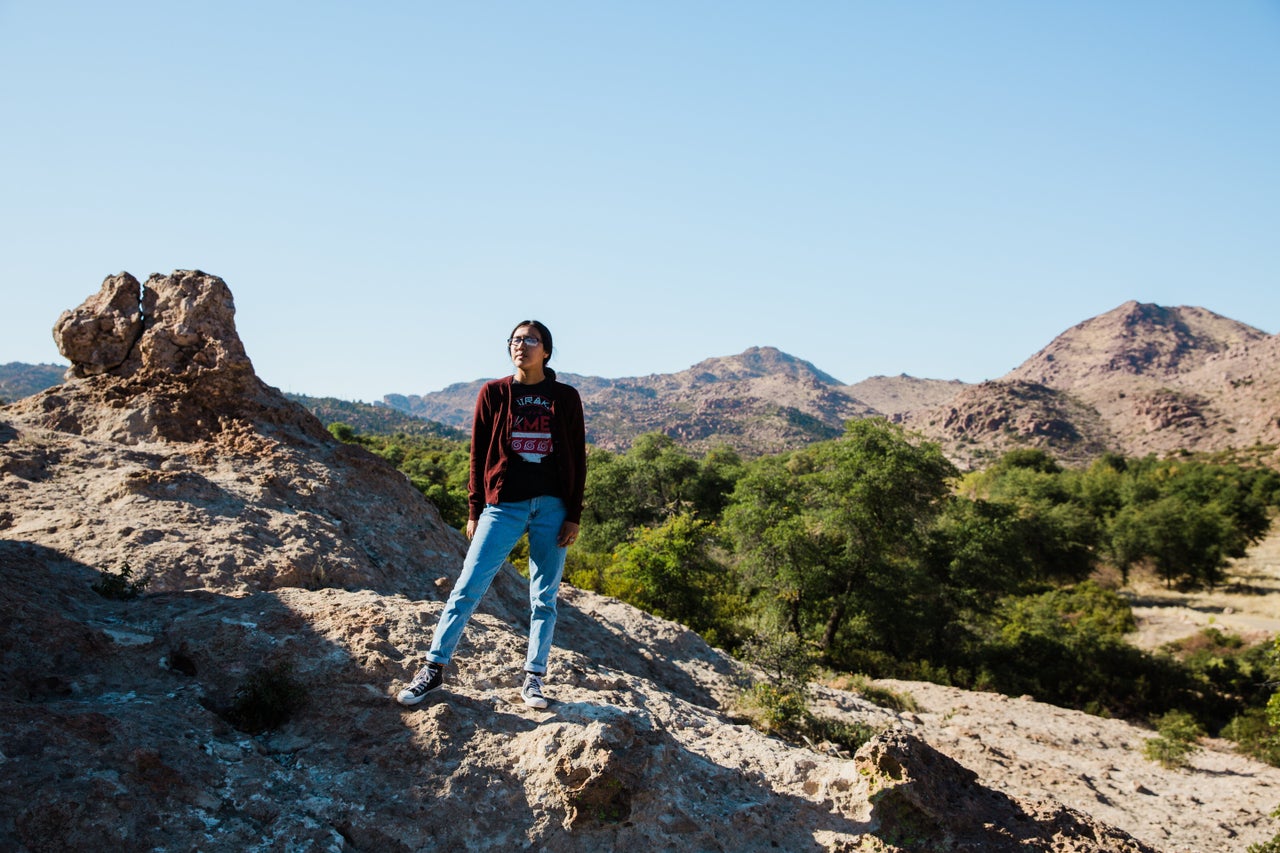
x=568 y=534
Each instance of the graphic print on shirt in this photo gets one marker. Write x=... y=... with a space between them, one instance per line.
x=531 y=427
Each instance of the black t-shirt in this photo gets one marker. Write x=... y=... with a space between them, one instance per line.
x=532 y=469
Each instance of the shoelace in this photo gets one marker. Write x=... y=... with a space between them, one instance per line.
x=534 y=685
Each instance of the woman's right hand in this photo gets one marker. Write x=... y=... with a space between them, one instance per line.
x=471 y=527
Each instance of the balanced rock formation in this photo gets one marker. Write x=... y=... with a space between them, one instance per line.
x=164 y=452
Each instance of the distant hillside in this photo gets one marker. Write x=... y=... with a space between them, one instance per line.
x=759 y=401
x=895 y=395
x=18 y=380
x=452 y=405
x=1138 y=379
x=375 y=418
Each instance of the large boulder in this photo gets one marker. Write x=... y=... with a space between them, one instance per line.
x=100 y=334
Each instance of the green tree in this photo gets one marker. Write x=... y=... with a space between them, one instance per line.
x=1060 y=532
x=1186 y=518
x=978 y=553
x=1182 y=541
x=653 y=481
x=832 y=534
x=672 y=571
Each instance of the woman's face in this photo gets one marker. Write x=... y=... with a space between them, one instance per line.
x=524 y=354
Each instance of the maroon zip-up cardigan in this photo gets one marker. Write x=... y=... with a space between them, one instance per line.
x=491 y=444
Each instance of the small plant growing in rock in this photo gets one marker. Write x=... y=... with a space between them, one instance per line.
x=881 y=696
x=117 y=586
x=1178 y=733
x=837 y=737
x=266 y=699
x=780 y=703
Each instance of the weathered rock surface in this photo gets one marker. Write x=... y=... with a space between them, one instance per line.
x=281 y=557
x=100 y=334
x=180 y=463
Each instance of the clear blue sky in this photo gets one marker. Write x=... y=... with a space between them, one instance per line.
x=931 y=188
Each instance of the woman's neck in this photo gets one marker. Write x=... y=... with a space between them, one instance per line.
x=530 y=375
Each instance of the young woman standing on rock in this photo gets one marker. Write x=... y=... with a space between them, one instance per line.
x=528 y=473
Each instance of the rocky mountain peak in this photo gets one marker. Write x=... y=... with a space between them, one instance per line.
x=1138 y=379
x=1134 y=339
x=760 y=362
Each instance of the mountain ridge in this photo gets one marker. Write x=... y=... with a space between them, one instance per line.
x=1140 y=378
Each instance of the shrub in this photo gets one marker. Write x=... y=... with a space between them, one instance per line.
x=117 y=586
x=774 y=710
x=778 y=703
x=844 y=736
x=266 y=699
x=881 y=696
x=343 y=432
x=780 y=706
x=1255 y=736
x=1178 y=732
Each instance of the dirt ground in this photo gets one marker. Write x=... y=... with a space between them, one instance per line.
x=1248 y=603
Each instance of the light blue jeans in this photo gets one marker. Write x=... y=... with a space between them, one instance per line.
x=499 y=528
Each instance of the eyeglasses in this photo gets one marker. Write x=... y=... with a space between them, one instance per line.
x=527 y=340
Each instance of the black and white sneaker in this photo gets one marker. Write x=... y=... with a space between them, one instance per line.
x=531 y=693
x=428 y=678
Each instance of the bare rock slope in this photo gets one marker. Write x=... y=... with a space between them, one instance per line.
x=286 y=564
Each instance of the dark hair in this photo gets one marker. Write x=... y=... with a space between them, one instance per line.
x=545 y=334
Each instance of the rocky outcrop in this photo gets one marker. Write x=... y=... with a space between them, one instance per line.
x=100 y=334
x=136 y=725
x=180 y=326
x=986 y=420
x=161 y=362
x=924 y=800
x=164 y=452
